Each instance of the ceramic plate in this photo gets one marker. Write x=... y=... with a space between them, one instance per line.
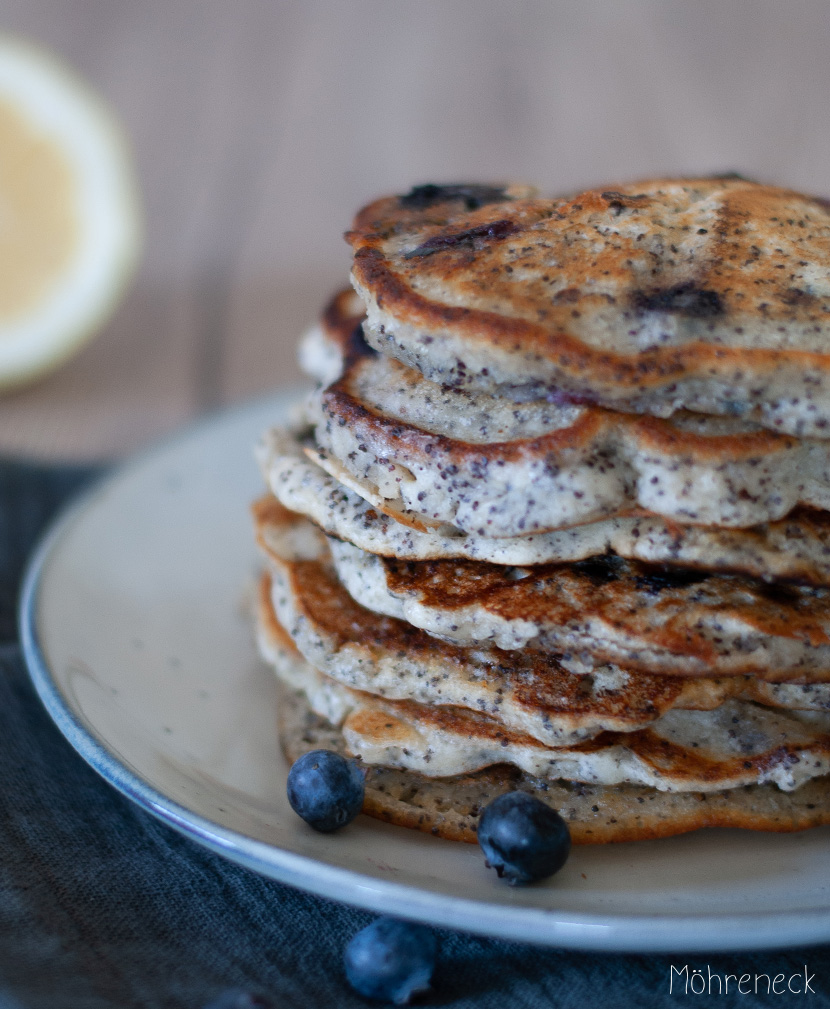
x=137 y=630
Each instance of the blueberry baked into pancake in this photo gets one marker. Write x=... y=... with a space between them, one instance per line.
x=556 y=518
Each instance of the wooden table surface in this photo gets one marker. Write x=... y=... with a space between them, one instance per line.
x=259 y=126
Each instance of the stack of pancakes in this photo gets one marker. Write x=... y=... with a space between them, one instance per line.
x=556 y=516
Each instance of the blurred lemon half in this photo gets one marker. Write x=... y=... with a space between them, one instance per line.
x=69 y=223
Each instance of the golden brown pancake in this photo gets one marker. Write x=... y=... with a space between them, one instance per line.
x=737 y=744
x=605 y=609
x=529 y=692
x=670 y=622
x=708 y=294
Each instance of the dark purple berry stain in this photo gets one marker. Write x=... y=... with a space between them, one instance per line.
x=471 y=195
x=660 y=579
x=472 y=238
x=681 y=299
x=601 y=568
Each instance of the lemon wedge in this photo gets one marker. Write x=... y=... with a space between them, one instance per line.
x=69 y=222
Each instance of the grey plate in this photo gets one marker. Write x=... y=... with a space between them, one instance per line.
x=135 y=625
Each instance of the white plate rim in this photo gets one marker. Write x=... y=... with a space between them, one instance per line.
x=657 y=933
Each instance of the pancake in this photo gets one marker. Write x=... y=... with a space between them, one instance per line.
x=683 y=751
x=529 y=692
x=532 y=694
x=496 y=468
x=449 y=807
x=605 y=609
x=705 y=294
x=737 y=744
x=795 y=549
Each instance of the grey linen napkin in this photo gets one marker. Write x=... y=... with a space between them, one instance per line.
x=101 y=906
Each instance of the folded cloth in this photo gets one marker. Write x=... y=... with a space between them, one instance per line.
x=102 y=906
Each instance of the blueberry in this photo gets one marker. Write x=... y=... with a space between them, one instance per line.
x=325 y=789
x=391 y=960
x=522 y=838
x=238 y=998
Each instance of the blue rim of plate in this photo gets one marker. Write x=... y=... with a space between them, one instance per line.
x=652 y=933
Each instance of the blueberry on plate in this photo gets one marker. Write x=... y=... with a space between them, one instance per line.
x=391 y=960
x=325 y=789
x=522 y=838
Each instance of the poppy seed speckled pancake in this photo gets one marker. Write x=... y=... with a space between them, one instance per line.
x=494 y=468
x=529 y=691
x=708 y=294
x=606 y=609
x=596 y=814
x=684 y=751
x=796 y=548
x=532 y=694
x=736 y=744
x=449 y=806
